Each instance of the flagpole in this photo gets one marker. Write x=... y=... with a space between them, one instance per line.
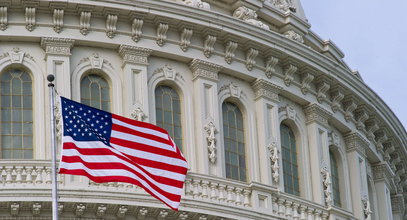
x=50 y=79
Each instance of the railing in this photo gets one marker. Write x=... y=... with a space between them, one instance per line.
x=254 y=198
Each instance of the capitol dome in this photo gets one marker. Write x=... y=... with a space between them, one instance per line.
x=272 y=122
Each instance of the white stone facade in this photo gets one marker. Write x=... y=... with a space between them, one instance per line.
x=268 y=62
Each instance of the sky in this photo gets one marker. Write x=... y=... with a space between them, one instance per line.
x=373 y=36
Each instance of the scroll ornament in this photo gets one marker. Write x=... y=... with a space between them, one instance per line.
x=211 y=131
x=272 y=147
x=327 y=186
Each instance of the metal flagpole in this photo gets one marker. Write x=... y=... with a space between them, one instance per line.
x=50 y=79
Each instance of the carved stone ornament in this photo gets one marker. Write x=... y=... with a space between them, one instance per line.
x=111 y=21
x=136 y=29
x=270 y=66
x=371 y=127
x=142 y=213
x=36 y=208
x=381 y=137
x=58 y=19
x=162 y=215
x=322 y=88
x=289 y=71
x=162 y=29
x=60 y=208
x=211 y=139
x=57 y=46
x=138 y=114
x=121 y=213
x=272 y=148
x=208 y=45
x=289 y=111
x=265 y=89
x=327 y=183
x=204 y=69
x=197 y=4
x=292 y=35
x=234 y=90
x=337 y=95
x=84 y=22
x=135 y=55
x=249 y=16
x=3 y=18
x=96 y=61
x=101 y=210
x=306 y=81
x=284 y=5
x=230 y=51
x=80 y=209
x=182 y=216
x=356 y=142
x=361 y=116
x=185 y=39
x=318 y=114
x=367 y=209
x=58 y=119
x=334 y=139
x=169 y=72
x=251 y=55
x=30 y=18
x=14 y=208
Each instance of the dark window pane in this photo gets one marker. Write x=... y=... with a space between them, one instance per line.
x=289 y=157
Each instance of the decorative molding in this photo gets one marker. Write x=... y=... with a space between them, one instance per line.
x=334 y=139
x=381 y=138
x=356 y=142
x=84 y=22
x=136 y=27
x=36 y=208
x=30 y=18
x=337 y=95
x=3 y=18
x=58 y=119
x=80 y=209
x=16 y=55
x=58 y=20
x=138 y=114
x=265 y=89
x=142 y=213
x=162 y=29
x=185 y=39
x=169 y=72
x=134 y=55
x=361 y=116
x=270 y=66
x=307 y=78
x=273 y=152
x=57 y=46
x=208 y=45
x=96 y=62
x=317 y=114
x=290 y=112
x=197 y=4
x=111 y=22
x=251 y=55
x=366 y=208
x=322 y=84
x=249 y=16
x=204 y=69
x=284 y=5
x=182 y=216
x=292 y=35
x=234 y=90
x=371 y=127
x=389 y=148
x=211 y=139
x=349 y=104
x=14 y=208
x=397 y=203
x=101 y=210
x=162 y=215
x=230 y=49
x=327 y=184
x=289 y=71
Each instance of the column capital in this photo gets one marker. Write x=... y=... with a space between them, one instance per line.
x=382 y=172
x=264 y=89
x=356 y=142
x=204 y=69
x=134 y=55
x=318 y=114
x=57 y=46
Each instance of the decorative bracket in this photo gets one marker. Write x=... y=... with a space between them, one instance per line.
x=162 y=33
x=289 y=71
x=84 y=22
x=186 y=39
x=270 y=66
x=121 y=213
x=101 y=210
x=208 y=45
x=322 y=87
x=3 y=18
x=30 y=19
x=350 y=105
x=230 y=51
x=136 y=29
x=58 y=19
x=111 y=22
x=337 y=94
x=251 y=55
x=307 y=78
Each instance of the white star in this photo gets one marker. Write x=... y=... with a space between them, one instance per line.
x=70 y=121
x=80 y=109
x=97 y=121
x=92 y=124
x=74 y=134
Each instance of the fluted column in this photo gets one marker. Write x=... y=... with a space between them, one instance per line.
x=135 y=63
x=206 y=117
x=268 y=128
x=355 y=147
x=317 y=127
x=383 y=175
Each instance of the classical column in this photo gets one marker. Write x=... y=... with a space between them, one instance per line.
x=206 y=116
x=135 y=63
x=58 y=52
x=268 y=128
x=317 y=129
x=355 y=148
x=382 y=176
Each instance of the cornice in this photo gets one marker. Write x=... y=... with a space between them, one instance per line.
x=264 y=89
x=57 y=46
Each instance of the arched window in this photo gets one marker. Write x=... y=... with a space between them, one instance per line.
x=290 y=164
x=233 y=132
x=16 y=115
x=335 y=180
x=168 y=112
x=95 y=92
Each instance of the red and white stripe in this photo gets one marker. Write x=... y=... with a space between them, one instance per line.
x=140 y=153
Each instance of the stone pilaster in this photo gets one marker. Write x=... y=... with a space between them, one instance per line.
x=135 y=63
x=268 y=128
x=206 y=117
x=382 y=176
x=317 y=127
x=356 y=153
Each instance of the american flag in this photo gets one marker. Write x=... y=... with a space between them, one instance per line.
x=109 y=148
